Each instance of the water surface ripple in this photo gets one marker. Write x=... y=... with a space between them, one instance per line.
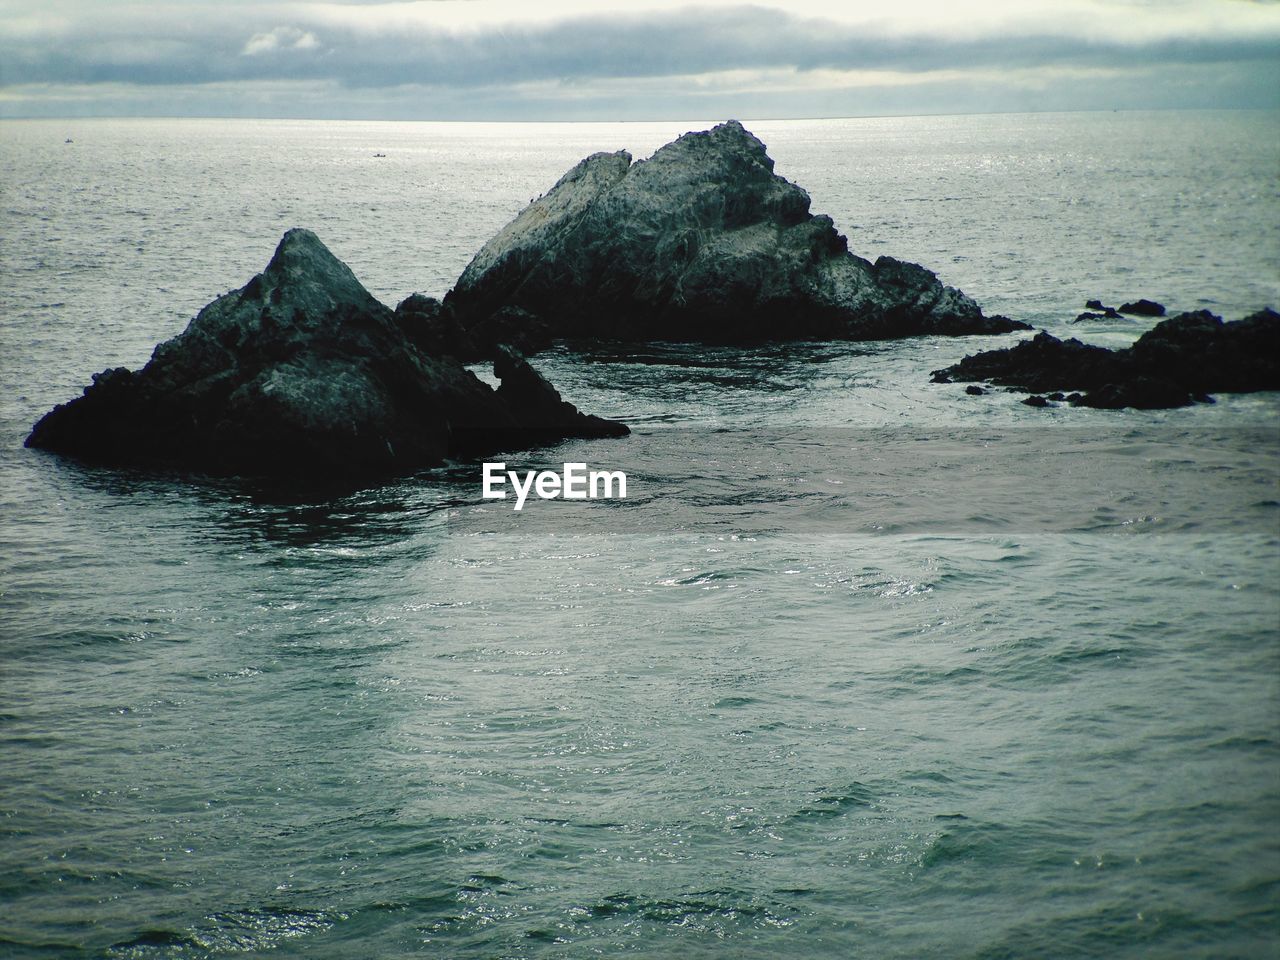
x=867 y=668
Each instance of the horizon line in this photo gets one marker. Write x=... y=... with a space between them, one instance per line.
x=682 y=118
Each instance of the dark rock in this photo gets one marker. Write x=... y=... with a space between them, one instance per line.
x=1143 y=308
x=1108 y=314
x=433 y=328
x=1095 y=305
x=515 y=327
x=1042 y=364
x=700 y=242
x=538 y=407
x=1142 y=393
x=1036 y=401
x=1002 y=324
x=301 y=371
x=1208 y=356
x=974 y=390
x=1179 y=361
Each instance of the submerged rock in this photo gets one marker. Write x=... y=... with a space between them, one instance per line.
x=1178 y=362
x=703 y=242
x=303 y=371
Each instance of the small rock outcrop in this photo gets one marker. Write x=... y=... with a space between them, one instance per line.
x=1143 y=308
x=302 y=371
x=1096 y=310
x=1108 y=313
x=536 y=406
x=701 y=242
x=1180 y=361
x=431 y=328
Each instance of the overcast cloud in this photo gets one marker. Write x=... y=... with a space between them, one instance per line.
x=486 y=59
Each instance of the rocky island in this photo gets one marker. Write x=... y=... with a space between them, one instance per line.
x=1178 y=362
x=302 y=371
x=700 y=242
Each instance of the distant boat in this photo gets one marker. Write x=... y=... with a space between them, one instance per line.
x=379 y=154
x=68 y=140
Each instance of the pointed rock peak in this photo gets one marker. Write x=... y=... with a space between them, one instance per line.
x=301 y=236
x=729 y=139
x=302 y=248
x=733 y=128
x=734 y=132
x=301 y=258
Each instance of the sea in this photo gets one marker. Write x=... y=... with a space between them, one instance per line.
x=862 y=667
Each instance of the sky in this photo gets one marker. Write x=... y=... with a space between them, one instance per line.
x=641 y=60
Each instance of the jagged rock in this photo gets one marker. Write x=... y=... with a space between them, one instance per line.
x=701 y=242
x=1039 y=365
x=1143 y=308
x=513 y=326
x=535 y=403
x=432 y=328
x=302 y=371
x=1096 y=305
x=1178 y=362
x=1141 y=393
x=1107 y=314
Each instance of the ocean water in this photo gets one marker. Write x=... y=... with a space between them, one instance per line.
x=863 y=667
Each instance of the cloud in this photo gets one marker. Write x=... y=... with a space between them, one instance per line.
x=1226 y=50
x=281 y=38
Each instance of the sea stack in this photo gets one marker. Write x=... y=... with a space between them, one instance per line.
x=302 y=371
x=701 y=242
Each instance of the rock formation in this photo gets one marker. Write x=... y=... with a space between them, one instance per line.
x=302 y=371
x=702 y=241
x=1095 y=310
x=1178 y=362
x=1143 y=308
x=1108 y=313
